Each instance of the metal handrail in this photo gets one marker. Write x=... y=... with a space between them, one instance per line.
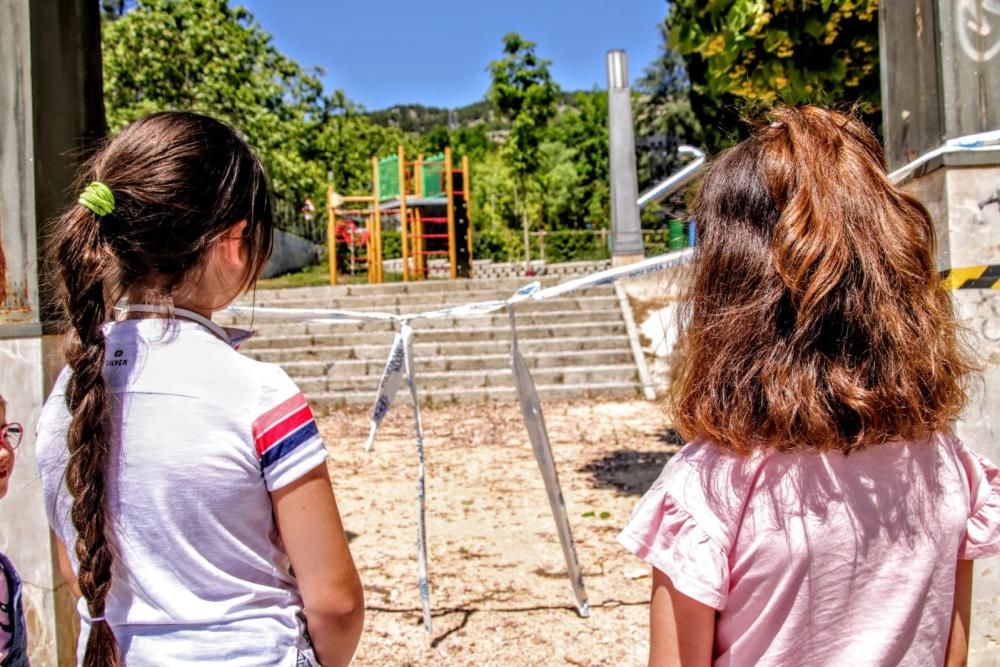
x=675 y=181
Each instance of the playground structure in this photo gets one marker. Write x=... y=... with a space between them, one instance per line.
x=428 y=200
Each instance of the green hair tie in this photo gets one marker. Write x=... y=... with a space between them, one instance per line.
x=98 y=198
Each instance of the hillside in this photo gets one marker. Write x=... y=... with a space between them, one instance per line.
x=422 y=119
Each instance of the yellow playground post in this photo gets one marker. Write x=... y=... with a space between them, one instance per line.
x=428 y=198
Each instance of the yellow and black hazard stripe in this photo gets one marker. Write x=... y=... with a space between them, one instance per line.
x=985 y=276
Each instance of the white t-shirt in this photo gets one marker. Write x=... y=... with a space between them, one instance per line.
x=200 y=435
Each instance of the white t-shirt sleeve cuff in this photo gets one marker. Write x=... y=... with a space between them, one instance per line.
x=293 y=466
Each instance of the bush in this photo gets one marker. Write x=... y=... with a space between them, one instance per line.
x=499 y=244
x=574 y=246
x=392 y=244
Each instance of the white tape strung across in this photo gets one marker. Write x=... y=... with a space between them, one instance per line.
x=399 y=367
x=608 y=276
x=530 y=292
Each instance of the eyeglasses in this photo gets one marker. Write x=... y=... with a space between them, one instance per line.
x=12 y=434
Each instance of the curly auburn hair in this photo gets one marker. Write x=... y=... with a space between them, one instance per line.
x=816 y=318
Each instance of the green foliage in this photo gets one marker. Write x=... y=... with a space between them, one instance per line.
x=583 y=132
x=493 y=192
x=568 y=245
x=663 y=109
x=392 y=244
x=497 y=243
x=523 y=93
x=206 y=56
x=537 y=153
x=743 y=54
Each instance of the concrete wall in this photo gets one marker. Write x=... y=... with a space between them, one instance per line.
x=17 y=187
x=970 y=236
x=51 y=111
x=24 y=534
x=940 y=65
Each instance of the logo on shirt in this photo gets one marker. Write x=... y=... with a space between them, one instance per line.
x=117 y=361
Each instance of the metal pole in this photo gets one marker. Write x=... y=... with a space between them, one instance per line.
x=626 y=229
x=449 y=186
x=467 y=189
x=331 y=234
x=377 y=225
x=404 y=236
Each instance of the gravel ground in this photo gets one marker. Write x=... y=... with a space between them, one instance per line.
x=499 y=591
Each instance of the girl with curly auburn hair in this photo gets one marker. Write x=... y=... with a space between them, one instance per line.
x=823 y=512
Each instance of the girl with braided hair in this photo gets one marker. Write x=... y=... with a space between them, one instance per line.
x=188 y=482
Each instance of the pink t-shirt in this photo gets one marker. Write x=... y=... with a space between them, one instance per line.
x=822 y=559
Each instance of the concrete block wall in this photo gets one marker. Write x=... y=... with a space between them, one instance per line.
x=970 y=236
x=490 y=270
x=24 y=533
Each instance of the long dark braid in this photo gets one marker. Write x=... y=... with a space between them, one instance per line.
x=83 y=263
x=180 y=181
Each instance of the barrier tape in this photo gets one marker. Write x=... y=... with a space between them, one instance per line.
x=423 y=581
x=399 y=367
x=984 y=276
x=538 y=435
x=529 y=292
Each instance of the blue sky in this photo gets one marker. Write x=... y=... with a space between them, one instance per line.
x=435 y=52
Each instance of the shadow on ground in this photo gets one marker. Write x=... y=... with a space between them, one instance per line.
x=632 y=472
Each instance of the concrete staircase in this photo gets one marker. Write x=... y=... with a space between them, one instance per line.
x=576 y=345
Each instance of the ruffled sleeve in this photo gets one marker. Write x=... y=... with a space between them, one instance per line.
x=982 y=533
x=667 y=537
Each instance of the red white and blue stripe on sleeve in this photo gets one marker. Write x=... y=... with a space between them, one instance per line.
x=288 y=442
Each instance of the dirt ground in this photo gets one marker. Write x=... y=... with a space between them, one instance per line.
x=499 y=591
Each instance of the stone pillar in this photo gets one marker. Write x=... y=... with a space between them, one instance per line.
x=50 y=84
x=626 y=230
x=940 y=68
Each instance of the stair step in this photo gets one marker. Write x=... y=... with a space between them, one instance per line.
x=417 y=287
x=421 y=350
x=441 y=335
x=576 y=345
x=421 y=303
x=476 y=379
x=503 y=285
x=323 y=403
x=354 y=367
x=271 y=329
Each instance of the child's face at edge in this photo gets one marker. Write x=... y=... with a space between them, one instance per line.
x=6 y=455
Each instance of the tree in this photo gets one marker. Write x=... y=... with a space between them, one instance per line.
x=585 y=129
x=663 y=112
x=203 y=55
x=523 y=92
x=743 y=54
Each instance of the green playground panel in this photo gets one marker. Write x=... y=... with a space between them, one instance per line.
x=434 y=176
x=388 y=178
